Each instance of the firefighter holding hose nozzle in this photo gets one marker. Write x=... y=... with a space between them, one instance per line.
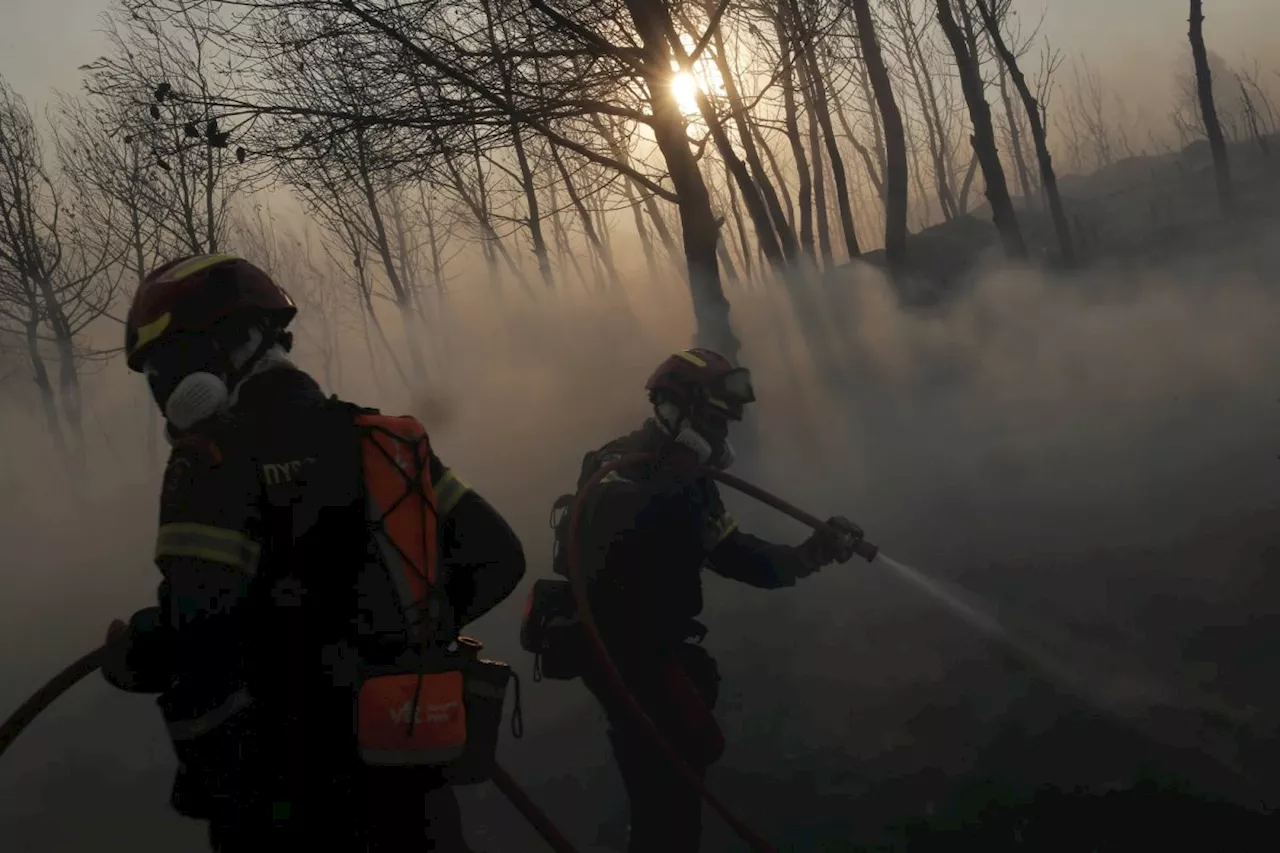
x=317 y=562
x=645 y=532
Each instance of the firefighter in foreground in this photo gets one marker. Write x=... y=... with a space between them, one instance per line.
x=304 y=543
x=645 y=533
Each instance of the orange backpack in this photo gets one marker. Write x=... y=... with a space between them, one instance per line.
x=442 y=704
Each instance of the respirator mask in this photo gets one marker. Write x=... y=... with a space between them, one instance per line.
x=701 y=422
x=195 y=377
x=706 y=437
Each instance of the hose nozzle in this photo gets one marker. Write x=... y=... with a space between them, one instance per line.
x=867 y=551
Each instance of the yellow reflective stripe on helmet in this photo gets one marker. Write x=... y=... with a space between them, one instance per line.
x=206 y=542
x=721 y=527
x=191 y=266
x=153 y=330
x=449 y=490
x=614 y=477
x=691 y=358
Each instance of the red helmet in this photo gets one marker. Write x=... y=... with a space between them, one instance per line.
x=193 y=293
x=701 y=376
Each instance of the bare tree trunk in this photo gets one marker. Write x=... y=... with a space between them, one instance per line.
x=405 y=253
x=776 y=170
x=588 y=227
x=1048 y=177
x=40 y=374
x=928 y=104
x=478 y=204
x=743 y=243
x=805 y=191
x=722 y=247
x=697 y=220
x=68 y=378
x=864 y=82
x=479 y=208
x=819 y=182
x=403 y=301
x=1015 y=134
x=534 y=220
x=646 y=244
x=651 y=206
x=1252 y=117
x=742 y=120
x=767 y=232
x=1208 y=111
x=366 y=303
x=945 y=176
x=895 y=230
x=834 y=157
x=917 y=177
x=967 y=183
x=874 y=173
x=563 y=246
x=437 y=263
x=984 y=137
x=211 y=227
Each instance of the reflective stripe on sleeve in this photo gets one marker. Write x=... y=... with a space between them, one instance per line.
x=721 y=527
x=206 y=542
x=449 y=490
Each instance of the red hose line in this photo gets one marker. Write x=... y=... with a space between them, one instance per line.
x=80 y=669
x=610 y=669
x=39 y=701
x=537 y=817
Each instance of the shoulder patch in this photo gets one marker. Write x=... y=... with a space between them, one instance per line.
x=190 y=453
x=200 y=449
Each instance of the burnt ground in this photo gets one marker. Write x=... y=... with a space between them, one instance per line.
x=983 y=754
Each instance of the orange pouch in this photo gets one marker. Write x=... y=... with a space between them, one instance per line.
x=411 y=718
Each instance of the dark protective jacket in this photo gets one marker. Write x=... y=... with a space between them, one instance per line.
x=646 y=534
x=271 y=591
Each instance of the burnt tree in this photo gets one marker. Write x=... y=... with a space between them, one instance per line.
x=984 y=136
x=1047 y=174
x=1208 y=111
x=895 y=192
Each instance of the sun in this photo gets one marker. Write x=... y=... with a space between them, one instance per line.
x=685 y=87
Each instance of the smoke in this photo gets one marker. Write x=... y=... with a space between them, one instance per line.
x=1091 y=457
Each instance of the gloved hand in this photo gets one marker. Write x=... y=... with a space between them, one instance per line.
x=136 y=658
x=822 y=549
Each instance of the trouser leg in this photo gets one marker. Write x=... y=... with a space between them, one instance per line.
x=665 y=809
x=405 y=812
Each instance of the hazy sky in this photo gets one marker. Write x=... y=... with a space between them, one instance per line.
x=43 y=41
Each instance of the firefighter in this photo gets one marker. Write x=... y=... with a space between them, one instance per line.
x=646 y=531
x=301 y=541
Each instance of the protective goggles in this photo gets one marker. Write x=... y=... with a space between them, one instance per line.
x=732 y=391
x=736 y=385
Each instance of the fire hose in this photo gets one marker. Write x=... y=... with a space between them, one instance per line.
x=81 y=668
x=610 y=670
